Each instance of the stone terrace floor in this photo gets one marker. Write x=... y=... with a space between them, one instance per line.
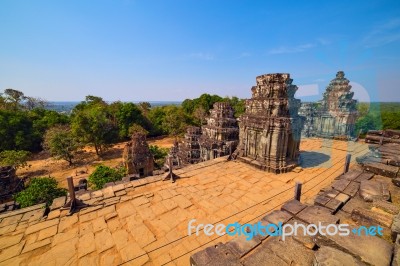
x=144 y=222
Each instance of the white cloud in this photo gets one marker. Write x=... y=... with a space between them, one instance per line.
x=291 y=49
x=383 y=34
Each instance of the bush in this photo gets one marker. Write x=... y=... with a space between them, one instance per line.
x=40 y=190
x=104 y=174
x=159 y=154
x=16 y=159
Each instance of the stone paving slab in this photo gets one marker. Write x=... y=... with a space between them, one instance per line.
x=293 y=207
x=290 y=251
x=145 y=221
x=368 y=249
x=331 y=256
x=371 y=190
x=372 y=218
x=22 y=211
x=316 y=214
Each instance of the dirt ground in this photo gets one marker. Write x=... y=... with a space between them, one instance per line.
x=43 y=164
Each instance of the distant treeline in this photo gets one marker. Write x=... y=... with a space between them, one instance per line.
x=25 y=121
x=377 y=115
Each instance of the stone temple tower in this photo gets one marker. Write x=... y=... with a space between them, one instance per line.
x=270 y=128
x=220 y=135
x=337 y=114
x=137 y=157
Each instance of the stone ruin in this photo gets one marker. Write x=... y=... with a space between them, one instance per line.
x=189 y=150
x=220 y=135
x=137 y=158
x=270 y=128
x=335 y=115
x=9 y=185
x=308 y=112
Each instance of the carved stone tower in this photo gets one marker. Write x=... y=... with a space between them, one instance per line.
x=270 y=128
x=337 y=114
x=189 y=149
x=221 y=133
x=137 y=156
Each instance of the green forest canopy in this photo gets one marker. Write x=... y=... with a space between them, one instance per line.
x=24 y=120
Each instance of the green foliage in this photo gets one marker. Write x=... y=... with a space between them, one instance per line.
x=16 y=159
x=391 y=120
x=126 y=115
x=23 y=122
x=159 y=154
x=136 y=128
x=206 y=101
x=145 y=107
x=156 y=117
x=61 y=143
x=92 y=123
x=40 y=190
x=174 y=122
x=199 y=108
x=16 y=131
x=104 y=174
x=237 y=104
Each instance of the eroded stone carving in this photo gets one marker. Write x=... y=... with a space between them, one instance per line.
x=335 y=115
x=138 y=159
x=220 y=135
x=270 y=128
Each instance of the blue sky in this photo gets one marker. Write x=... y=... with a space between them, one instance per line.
x=172 y=50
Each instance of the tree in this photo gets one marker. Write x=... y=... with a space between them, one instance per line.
x=156 y=117
x=206 y=101
x=237 y=104
x=145 y=107
x=14 y=98
x=16 y=131
x=174 y=121
x=40 y=190
x=31 y=103
x=91 y=123
x=126 y=115
x=16 y=159
x=104 y=174
x=159 y=154
x=199 y=114
x=61 y=143
x=136 y=128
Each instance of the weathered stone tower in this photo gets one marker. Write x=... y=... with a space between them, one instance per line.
x=337 y=114
x=220 y=135
x=137 y=156
x=270 y=128
x=189 y=149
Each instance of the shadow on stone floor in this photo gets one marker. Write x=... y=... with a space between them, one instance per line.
x=312 y=159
